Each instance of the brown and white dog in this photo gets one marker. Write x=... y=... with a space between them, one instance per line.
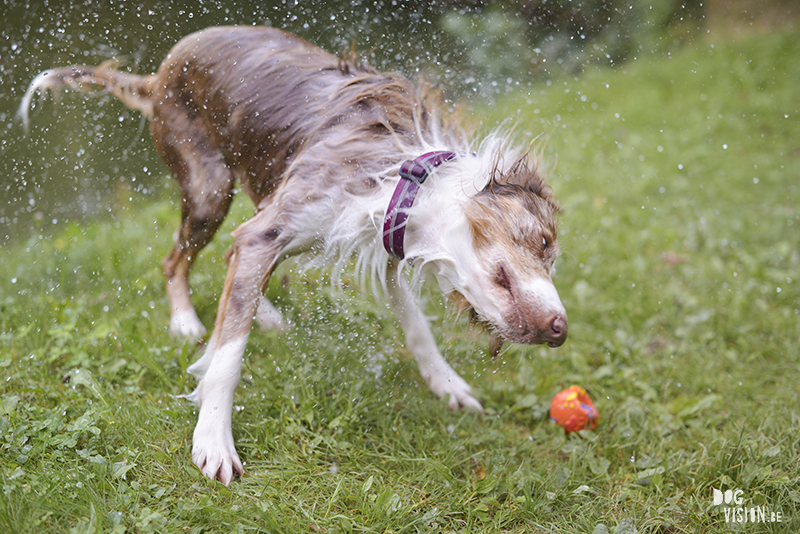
x=318 y=144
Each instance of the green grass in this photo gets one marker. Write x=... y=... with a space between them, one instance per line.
x=680 y=274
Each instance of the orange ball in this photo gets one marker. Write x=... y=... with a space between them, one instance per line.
x=573 y=409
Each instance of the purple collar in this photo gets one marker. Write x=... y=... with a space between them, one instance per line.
x=412 y=174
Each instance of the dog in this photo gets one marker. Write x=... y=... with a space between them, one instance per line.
x=340 y=161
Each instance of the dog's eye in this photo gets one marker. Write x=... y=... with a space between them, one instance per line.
x=545 y=243
x=501 y=278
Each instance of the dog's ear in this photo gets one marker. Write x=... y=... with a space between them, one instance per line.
x=524 y=177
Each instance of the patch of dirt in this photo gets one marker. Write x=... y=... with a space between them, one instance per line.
x=731 y=18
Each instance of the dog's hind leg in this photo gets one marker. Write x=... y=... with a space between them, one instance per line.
x=206 y=185
x=258 y=245
x=268 y=317
x=440 y=377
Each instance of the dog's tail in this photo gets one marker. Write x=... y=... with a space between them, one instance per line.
x=134 y=91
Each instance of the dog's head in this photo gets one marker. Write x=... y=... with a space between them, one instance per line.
x=499 y=258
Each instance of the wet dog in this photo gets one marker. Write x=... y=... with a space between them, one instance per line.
x=340 y=161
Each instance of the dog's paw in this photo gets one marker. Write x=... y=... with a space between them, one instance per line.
x=214 y=453
x=186 y=324
x=268 y=317
x=455 y=390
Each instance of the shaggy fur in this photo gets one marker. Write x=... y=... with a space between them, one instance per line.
x=316 y=142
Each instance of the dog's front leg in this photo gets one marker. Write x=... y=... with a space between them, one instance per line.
x=213 y=450
x=441 y=378
x=256 y=249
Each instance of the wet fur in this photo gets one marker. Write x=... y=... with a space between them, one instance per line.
x=316 y=142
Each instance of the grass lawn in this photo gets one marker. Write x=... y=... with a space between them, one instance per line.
x=680 y=274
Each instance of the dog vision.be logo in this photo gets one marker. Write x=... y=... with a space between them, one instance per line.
x=733 y=507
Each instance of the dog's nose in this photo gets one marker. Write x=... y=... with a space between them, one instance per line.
x=557 y=333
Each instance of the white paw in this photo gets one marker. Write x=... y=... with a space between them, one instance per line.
x=455 y=390
x=268 y=317
x=214 y=453
x=186 y=324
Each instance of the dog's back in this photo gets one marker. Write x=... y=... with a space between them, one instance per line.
x=258 y=95
x=239 y=83
x=247 y=85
